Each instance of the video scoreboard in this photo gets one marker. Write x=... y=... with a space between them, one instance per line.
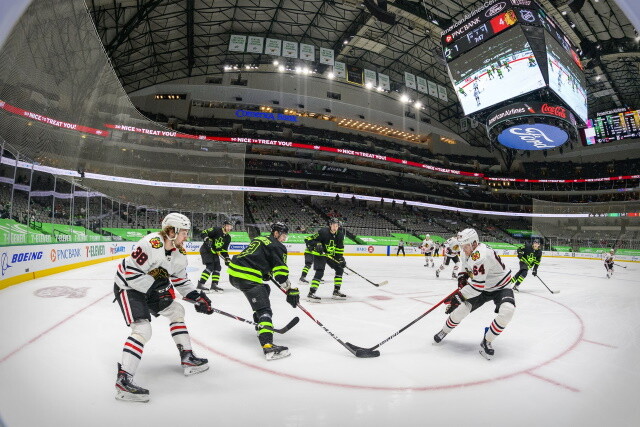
x=612 y=127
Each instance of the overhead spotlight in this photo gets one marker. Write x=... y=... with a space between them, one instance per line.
x=598 y=78
x=418 y=104
x=369 y=85
x=345 y=42
x=379 y=89
x=573 y=25
x=247 y=67
x=298 y=70
x=435 y=21
x=330 y=76
x=564 y=12
x=276 y=62
x=404 y=98
x=281 y=68
x=306 y=70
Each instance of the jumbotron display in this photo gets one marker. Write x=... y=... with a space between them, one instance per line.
x=566 y=78
x=612 y=127
x=508 y=48
x=503 y=68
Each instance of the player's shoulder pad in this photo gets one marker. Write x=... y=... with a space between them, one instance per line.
x=154 y=240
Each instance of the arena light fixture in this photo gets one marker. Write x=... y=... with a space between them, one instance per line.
x=404 y=98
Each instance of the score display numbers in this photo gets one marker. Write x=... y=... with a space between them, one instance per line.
x=613 y=127
x=479 y=34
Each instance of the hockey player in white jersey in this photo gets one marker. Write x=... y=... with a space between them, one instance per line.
x=608 y=262
x=429 y=248
x=144 y=286
x=450 y=253
x=485 y=279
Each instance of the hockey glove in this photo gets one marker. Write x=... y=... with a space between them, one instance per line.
x=341 y=262
x=453 y=302
x=535 y=271
x=227 y=260
x=201 y=301
x=320 y=248
x=462 y=279
x=293 y=297
x=207 y=242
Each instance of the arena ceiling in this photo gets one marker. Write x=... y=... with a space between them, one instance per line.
x=156 y=41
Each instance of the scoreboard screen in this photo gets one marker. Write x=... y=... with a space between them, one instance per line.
x=612 y=127
x=500 y=69
x=566 y=77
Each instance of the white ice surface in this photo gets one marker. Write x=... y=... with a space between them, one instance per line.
x=569 y=359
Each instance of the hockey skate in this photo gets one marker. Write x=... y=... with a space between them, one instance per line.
x=438 y=273
x=127 y=390
x=486 y=350
x=202 y=287
x=439 y=336
x=312 y=297
x=453 y=276
x=515 y=288
x=338 y=295
x=191 y=363
x=215 y=287
x=273 y=352
x=303 y=280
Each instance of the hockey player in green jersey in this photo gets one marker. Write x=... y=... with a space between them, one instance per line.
x=329 y=250
x=215 y=245
x=529 y=256
x=263 y=259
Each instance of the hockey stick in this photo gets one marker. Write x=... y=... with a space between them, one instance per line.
x=545 y=285
x=619 y=265
x=286 y=328
x=358 y=274
x=354 y=349
x=373 y=349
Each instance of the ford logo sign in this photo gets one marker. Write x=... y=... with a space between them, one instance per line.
x=533 y=137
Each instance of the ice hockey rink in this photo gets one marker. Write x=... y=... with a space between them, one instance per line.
x=566 y=359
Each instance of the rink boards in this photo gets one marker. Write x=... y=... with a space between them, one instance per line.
x=22 y=263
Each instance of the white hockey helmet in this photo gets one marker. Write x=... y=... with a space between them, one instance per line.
x=612 y=251
x=177 y=221
x=468 y=236
x=427 y=236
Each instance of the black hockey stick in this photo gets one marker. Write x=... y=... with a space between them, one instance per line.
x=293 y=322
x=545 y=285
x=358 y=274
x=354 y=349
x=619 y=265
x=373 y=349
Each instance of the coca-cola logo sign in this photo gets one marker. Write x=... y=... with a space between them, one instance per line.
x=554 y=110
x=533 y=137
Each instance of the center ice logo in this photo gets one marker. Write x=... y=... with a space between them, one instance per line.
x=533 y=137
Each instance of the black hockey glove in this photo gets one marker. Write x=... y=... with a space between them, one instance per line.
x=462 y=279
x=207 y=242
x=320 y=248
x=453 y=302
x=201 y=301
x=341 y=262
x=293 y=297
x=227 y=260
x=535 y=271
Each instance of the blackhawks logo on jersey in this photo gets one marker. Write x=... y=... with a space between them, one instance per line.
x=475 y=256
x=156 y=243
x=182 y=250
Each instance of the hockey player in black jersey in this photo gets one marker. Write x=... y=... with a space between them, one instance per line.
x=216 y=245
x=309 y=251
x=329 y=250
x=529 y=256
x=263 y=259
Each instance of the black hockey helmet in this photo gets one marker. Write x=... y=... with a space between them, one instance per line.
x=226 y=222
x=535 y=242
x=280 y=227
x=334 y=220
